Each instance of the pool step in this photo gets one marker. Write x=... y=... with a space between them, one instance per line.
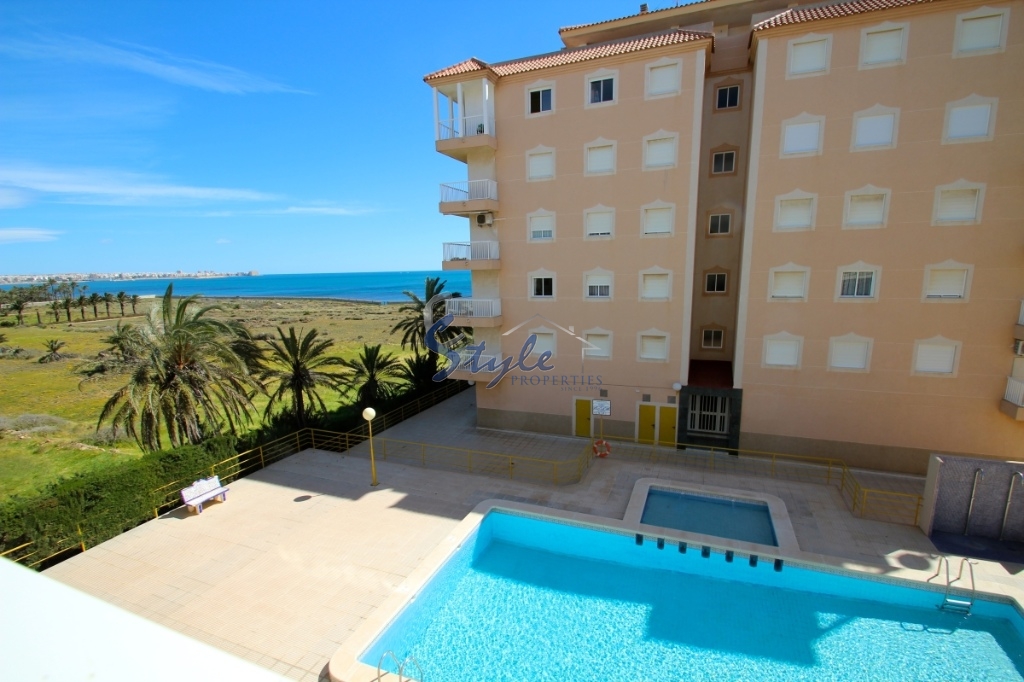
x=957 y=604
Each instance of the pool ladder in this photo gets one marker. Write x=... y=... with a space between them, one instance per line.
x=956 y=604
x=400 y=665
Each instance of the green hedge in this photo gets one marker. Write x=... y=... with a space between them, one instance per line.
x=95 y=506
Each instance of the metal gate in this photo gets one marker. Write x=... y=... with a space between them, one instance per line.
x=709 y=414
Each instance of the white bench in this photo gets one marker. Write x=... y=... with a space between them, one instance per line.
x=202 y=491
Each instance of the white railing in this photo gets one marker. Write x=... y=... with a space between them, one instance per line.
x=1015 y=391
x=473 y=307
x=466 y=361
x=468 y=190
x=470 y=251
x=1020 y=317
x=464 y=126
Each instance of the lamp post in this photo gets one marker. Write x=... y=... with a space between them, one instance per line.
x=368 y=414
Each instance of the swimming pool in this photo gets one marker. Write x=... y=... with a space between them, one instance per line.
x=527 y=598
x=710 y=515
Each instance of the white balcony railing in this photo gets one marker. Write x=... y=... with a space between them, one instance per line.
x=473 y=307
x=465 y=126
x=470 y=251
x=466 y=361
x=468 y=190
x=1014 y=391
x=1020 y=316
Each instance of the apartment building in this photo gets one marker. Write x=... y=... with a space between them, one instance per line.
x=779 y=228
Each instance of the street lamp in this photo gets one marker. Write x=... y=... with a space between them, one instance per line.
x=368 y=414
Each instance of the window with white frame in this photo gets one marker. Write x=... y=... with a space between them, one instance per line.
x=971 y=119
x=788 y=283
x=600 y=157
x=712 y=338
x=602 y=88
x=653 y=345
x=808 y=56
x=542 y=286
x=958 y=203
x=782 y=351
x=801 y=136
x=723 y=163
x=936 y=356
x=540 y=164
x=857 y=282
x=946 y=281
x=597 y=285
x=541 y=99
x=883 y=45
x=658 y=218
x=867 y=207
x=599 y=344
x=655 y=286
x=727 y=97
x=795 y=211
x=599 y=221
x=720 y=223
x=715 y=282
x=540 y=226
x=874 y=128
x=663 y=78
x=660 y=150
x=982 y=31
x=545 y=342
x=849 y=353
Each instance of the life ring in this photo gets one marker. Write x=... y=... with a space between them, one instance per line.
x=602 y=448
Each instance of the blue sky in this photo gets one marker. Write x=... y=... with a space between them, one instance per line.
x=272 y=136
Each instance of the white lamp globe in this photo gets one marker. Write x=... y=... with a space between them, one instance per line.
x=369 y=413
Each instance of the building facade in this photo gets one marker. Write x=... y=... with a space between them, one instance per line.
x=790 y=229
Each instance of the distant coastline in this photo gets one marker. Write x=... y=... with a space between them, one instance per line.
x=119 y=276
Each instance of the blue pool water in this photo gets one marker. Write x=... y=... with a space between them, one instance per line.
x=747 y=521
x=526 y=600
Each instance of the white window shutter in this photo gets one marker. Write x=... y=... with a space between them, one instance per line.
x=600 y=223
x=883 y=46
x=542 y=165
x=545 y=342
x=789 y=284
x=801 y=137
x=969 y=121
x=981 y=33
x=601 y=159
x=655 y=285
x=664 y=79
x=866 y=209
x=657 y=220
x=850 y=354
x=661 y=152
x=875 y=131
x=958 y=204
x=946 y=283
x=935 y=358
x=542 y=226
x=809 y=57
x=782 y=353
x=603 y=343
x=795 y=212
x=654 y=347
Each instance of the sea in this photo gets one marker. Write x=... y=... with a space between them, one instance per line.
x=378 y=287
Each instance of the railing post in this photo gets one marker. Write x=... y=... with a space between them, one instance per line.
x=312 y=439
x=81 y=538
x=263 y=464
x=298 y=443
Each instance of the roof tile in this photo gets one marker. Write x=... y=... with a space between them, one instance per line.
x=799 y=15
x=630 y=16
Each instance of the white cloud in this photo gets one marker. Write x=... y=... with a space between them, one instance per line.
x=194 y=73
x=12 y=198
x=16 y=235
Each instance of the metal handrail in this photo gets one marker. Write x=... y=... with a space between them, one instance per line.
x=979 y=475
x=454 y=251
x=473 y=307
x=469 y=190
x=1009 y=499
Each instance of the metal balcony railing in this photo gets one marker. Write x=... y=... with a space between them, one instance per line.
x=468 y=190
x=464 y=126
x=466 y=361
x=1014 y=391
x=470 y=251
x=473 y=307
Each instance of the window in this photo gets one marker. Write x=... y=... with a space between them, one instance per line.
x=788 y=282
x=541 y=226
x=663 y=78
x=602 y=90
x=727 y=97
x=655 y=286
x=946 y=281
x=866 y=208
x=599 y=221
x=936 y=356
x=874 y=128
x=982 y=31
x=543 y=287
x=540 y=164
x=970 y=120
x=795 y=211
x=545 y=342
x=653 y=345
x=714 y=282
x=883 y=45
x=849 y=353
x=801 y=136
x=857 y=284
x=660 y=150
x=958 y=203
x=808 y=56
x=782 y=350
x=712 y=339
x=600 y=344
x=597 y=285
x=719 y=223
x=600 y=157
x=658 y=218
x=723 y=163
x=540 y=100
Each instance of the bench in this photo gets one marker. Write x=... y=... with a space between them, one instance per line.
x=203 y=490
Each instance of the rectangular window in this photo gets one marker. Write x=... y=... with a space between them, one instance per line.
x=874 y=131
x=602 y=343
x=801 y=138
x=599 y=286
x=723 y=162
x=796 y=214
x=601 y=159
x=660 y=152
x=958 y=205
x=866 y=209
x=857 y=284
x=849 y=355
x=720 y=223
x=882 y=47
x=663 y=80
x=540 y=100
x=712 y=338
x=658 y=220
x=781 y=353
x=789 y=284
x=655 y=286
x=541 y=165
x=935 y=358
x=727 y=97
x=653 y=347
x=542 y=227
x=545 y=343
x=969 y=121
x=946 y=283
x=543 y=287
x=981 y=33
x=600 y=223
x=714 y=283
x=602 y=90
x=808 y=57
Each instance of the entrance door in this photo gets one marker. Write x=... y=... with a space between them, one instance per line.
x=646 y=421
x=583 y=415
x=709 y=415
x=667 y=424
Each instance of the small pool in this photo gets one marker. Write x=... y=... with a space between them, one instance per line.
x=719 y=516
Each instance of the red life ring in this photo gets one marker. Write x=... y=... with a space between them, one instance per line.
x=602 y=448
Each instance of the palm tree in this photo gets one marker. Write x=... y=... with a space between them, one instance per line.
x=122 y=298
x=418 y=371
x=94 y=301
x=412 y=326
x=297 y=367
x=373 y=376
x=54 y=354
x=81 y=302
x=134 y=300
x=107 y=299
x=67 y=309
x=18 y=306
x=185 y=377
x=52 y=284
x=55 y=306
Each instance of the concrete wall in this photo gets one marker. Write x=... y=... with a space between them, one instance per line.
x=952 y=479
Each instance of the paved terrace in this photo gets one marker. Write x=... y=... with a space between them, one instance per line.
x=303 y=551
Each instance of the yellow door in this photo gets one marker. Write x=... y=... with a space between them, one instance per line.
x=583 y=409
x=645 y=427
x=667 y=425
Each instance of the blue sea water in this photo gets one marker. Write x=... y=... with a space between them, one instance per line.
x=362 y=286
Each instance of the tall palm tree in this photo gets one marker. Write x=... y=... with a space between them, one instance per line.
x=134 y=300
x=18 y=306
x=373 y=375
x=107 y=298
x=94 y=301
x=412 y=326
x=55 y=306
x=122 y=298
x=80 y=303
x=67 y=309
x=185 y=377
x=298 y=367
x=418 y=371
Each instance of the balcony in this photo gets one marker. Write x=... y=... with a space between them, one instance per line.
x=465 y=370
x=467 y=197
x=474 y=312
x=470 y=256
x=1012 y=404
x=457 y=137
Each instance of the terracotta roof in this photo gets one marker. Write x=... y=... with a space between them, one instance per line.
x=799 y=15
x=572 y=55
x=630 y=16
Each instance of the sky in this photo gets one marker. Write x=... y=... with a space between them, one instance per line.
x=283 y=137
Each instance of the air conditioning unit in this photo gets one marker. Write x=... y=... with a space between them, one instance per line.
x=1018 y=347
x=484 y=219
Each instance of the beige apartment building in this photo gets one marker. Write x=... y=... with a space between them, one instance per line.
x=795 y=228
